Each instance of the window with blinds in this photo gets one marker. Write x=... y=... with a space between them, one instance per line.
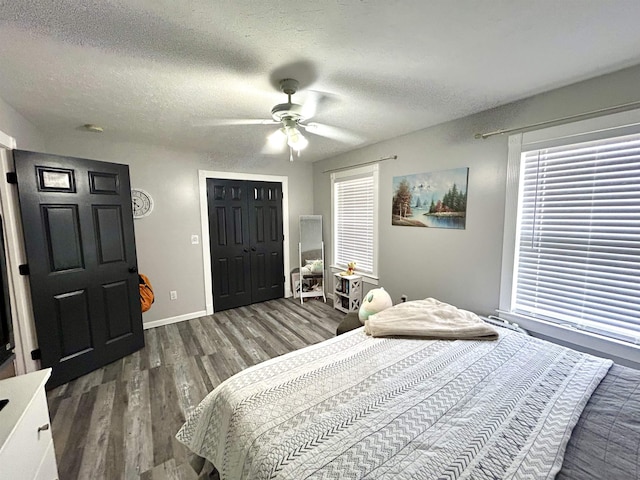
x=354 y=212
x=578 y=236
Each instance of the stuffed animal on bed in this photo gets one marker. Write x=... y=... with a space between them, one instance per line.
x=374 y=301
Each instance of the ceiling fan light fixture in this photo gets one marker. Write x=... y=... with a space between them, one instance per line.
x=277 y=138
x=295 y=139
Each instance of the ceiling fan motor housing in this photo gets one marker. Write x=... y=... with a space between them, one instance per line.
x=288 y=111
x=284 y=111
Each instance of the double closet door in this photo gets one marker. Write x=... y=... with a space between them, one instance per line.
x=246 y=241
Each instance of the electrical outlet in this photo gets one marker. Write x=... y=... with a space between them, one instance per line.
x=195 y=240
x=173 y=295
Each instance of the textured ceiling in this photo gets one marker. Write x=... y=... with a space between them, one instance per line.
x=164 y=72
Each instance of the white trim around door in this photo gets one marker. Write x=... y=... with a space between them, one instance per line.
x=24 y=332
x=203 y=175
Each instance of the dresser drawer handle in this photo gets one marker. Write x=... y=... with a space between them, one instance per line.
x=43 y=428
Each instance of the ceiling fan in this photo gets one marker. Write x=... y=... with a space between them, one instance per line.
x=292 y=118
x=290 y=115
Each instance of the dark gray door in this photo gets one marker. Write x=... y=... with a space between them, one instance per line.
x=229 y=243
x=266 y=240
x=246 y=242
x=78 y=229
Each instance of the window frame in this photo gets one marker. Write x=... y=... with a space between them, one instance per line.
x=343 y=175
x=592 y=129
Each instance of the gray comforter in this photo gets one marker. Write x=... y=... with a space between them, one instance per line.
x=356 y=407
x=605 y=443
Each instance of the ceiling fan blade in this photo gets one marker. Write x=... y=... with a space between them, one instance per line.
x=334 y=133
x=310 y=106
x=317 y=100
x=215 y=122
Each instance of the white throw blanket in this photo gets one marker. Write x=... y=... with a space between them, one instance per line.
x=429 y=318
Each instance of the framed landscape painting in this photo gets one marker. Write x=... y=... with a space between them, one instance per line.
x=434 y=199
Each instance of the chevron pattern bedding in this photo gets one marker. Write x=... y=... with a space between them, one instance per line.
x=356 y=407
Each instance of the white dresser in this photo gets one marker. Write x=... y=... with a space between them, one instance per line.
x=26 y=444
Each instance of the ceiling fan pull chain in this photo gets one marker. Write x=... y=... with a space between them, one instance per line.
x=290 y=154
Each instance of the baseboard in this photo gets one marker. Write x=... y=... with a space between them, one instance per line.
x=167 y=321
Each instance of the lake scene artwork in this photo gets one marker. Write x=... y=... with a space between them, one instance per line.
x=434 y=199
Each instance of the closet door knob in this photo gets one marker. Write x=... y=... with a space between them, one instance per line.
x=43 y=428
x=253 y=249
x=245 y=250
x=133 y=270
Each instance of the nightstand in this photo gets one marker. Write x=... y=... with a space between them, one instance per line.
x=347 y=292
x=26 y=444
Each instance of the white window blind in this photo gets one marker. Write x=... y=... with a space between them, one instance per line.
x=578 y=236
x=354 y=203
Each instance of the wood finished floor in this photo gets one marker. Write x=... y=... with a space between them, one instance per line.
x=119 y=422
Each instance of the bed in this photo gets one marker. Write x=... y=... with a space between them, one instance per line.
x=357 y=407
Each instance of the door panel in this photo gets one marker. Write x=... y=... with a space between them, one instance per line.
x=275 y=215
x=102 y=182
x=238 y=225
x=220 y=215
x=108 y=228
x=116 y=300
x=74 y=329
x=258 y=225
x=259 y=268
x=80 y=245
x=61 y=224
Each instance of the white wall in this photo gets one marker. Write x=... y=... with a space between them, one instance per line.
x=163 y=239
x=461 y=267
